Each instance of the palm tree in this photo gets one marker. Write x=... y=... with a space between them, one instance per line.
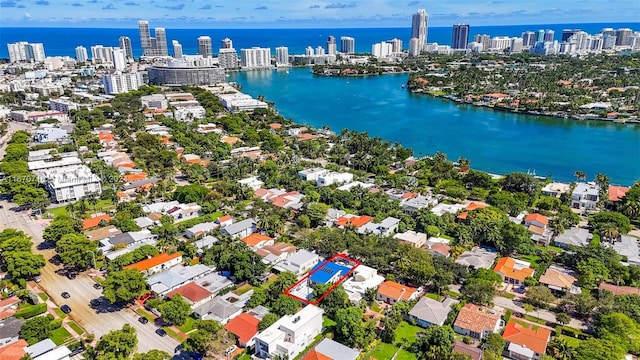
x=560 y=349
x=611 y=233
x=580 y=175
x=71 y=208
x=93 y=201
x=81 y=206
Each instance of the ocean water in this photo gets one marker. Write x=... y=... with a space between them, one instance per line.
x=62 y=41
x=497 y=142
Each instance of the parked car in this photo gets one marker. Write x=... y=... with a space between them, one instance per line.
x=36 y=279
x=161 y=332
x=97 y=286
x=65 y=295
x=95 y=303
x=143 y=320
x=65 y=308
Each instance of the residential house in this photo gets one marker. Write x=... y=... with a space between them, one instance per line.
x=281 y=198
x=361 y=279
x=477 y=321
x=156 y=263
x=331 y=178
x=525 y=341
x=333 y=215
x=223 y=308
x=40 y=348
x=473 y=352
x=144 y=222
x=225 y=220
x=327 y=272
x=240 y=229
x=166 y=281
x=537 y=225
x=290 y=334
x=9 y=330
x=560 y=281
x=251 y=182
x=273 y=254
x=201 y=229
x=472 y=206
x=312 y=174
x=205 y=242
x=477 y=258
x=353 y=184
x=257 y=241
x=245 y=328
x=8 y=307
x=618 y=290
x=438 y=246
x=574 y=236
x=60 y=353
x=413 y=238
x=513 y=271
x=555 y=189
x=193 y=293
x=329 y=349
x=419 y=202
x=427 y=312
x=443 y=208
x=14 y=350
x=585 y=196
x=126 y=239
x=94 y=221
x=385 y=228
x=627 y=247
x=391 y=292
x=353 y=220
x=299 y=263
x=617 y=193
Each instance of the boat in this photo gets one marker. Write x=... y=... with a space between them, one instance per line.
x=402 y=86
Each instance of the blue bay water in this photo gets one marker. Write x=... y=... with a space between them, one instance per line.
x=62 y=41
x=497 y=142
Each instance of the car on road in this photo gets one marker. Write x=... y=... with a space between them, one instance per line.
x=71 y=275
x=161 y=332
x=65 y=295
x=65 y=308
x=36 y=279
x=143 y=320
x=97 y=286
x=95 y=303
x=55 y=260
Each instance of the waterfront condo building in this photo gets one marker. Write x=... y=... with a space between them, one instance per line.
x=122 y=83
x=255 y=58
x=228 y=58
x=460 y=36
x=419 y=26
x=282 y=56
x=177 y=49
x=205 y=46
x=24 y=51
x=347 y=45
x=81 y=54
x=396 y=45
x=125 y=45
x=226 y=43
x=332 y=47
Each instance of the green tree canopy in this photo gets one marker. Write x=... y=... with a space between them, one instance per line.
x=76 y=250
x=124 y=285
x=117 y=344
x=175 y=311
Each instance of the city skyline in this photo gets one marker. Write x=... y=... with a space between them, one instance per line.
x=305 y=14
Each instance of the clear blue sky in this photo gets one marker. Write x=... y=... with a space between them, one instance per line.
x=309 y=13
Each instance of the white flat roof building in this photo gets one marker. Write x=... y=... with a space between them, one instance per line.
x=238 y=102
x=334 y=178
x=71 y=183
x=312 y=174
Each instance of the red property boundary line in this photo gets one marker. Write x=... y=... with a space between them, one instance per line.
x=335 y=285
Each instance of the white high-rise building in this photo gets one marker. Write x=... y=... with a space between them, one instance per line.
x=332 y=47
x=205 y=46
x=24 y=51
x=81 y=54
x=485 y=40
x=419 y=27
x=516 y=45
x=122 y=83
x=145 y=37
x=177 y=49
x=319 y=50
x=500 y=43
x=125 y=45
x=309 y=51
x=396 y=45
x=282 y=56
x=228 y=58
x=414 y=47
x=226 y=43
x=119 y=59
x=255 y=58
x=161 y=42
x=347 y=45
x=382 y=49
x=101 y=54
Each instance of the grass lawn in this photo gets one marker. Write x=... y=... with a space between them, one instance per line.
x=508 y=295
x=243 y=289
x=535 y=319
x=549 y=248
x=453 y=294
x=328 y=324
x=60 y=313
x=434 y=296
x=60 y=335
x=59 y=211
x=386 y=351
x=43 y=296
x=142 y=312
x=245 y=356
x=533 y=259
x=188 y=325
x=571 y=341
x=173 y=334
x=376 y=307
x=76 y=328
x=407 y=333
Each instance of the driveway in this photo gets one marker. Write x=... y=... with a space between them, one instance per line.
x=539 y=313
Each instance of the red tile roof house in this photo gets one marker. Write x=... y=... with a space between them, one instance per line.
x=617 y=193
x=193 y=293
x=157 y=263
x=8 y=307
x=257 y=241
x=94 y=221
x=526 y=342
x=352 y=220
x=477 y=321
x=513 y=271
x=245 y=328
x=391 y=292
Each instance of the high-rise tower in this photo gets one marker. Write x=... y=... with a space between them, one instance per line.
x=205 y=46
x=145 y=36
x=161 y=42
x=419 y=27
x=332 y=47
x=460 y=36
x=347 y=45
x=226 y=43
x=125 y=44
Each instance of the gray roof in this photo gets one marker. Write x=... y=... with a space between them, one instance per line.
x=574 y=236
x=205 y=242
x=40 y=348
x=143 y=221
x=10 y=328
x=432 y=311
x=214 y=282
x=203 y=227
x=217 y=309
x=239 y=226
x=389 y=222
x=124 y=238
x=335 y=350
x=258 y=312
x=167 y=280
x=628 y=246
x=477 y=258
x=136 y=184
x=418 y=202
